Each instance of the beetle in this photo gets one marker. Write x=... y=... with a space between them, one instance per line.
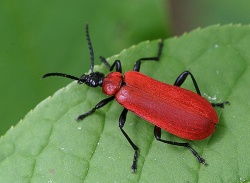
x=169 y=107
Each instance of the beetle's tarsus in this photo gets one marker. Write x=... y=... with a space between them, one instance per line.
x=81 y=117
x=202 y=161
x=221 y=105
x=133 y=168
x=134 y=165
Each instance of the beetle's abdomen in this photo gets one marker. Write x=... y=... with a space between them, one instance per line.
x=112 y=83
x=174 y=109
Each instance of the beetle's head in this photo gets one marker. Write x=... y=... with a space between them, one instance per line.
x=93 y=79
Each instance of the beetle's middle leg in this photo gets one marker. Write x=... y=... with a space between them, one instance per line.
x=183 y=76
x=157 y=134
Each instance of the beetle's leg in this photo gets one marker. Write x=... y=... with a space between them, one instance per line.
x=103 y=60
x=97 y=106
x=116 y=64
x=138 y=62
x=157 y=134
x=183 y=76
x=122 y=121
x=221 y=105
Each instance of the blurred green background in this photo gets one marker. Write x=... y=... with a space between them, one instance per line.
x=37 y=37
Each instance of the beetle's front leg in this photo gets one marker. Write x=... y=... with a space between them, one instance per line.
x=97 y=106
x=156 y=58
x=122 y=121
x=117 y=64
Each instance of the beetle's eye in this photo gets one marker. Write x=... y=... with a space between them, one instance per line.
x=82 y=79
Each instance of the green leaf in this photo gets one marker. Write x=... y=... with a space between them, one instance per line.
x=49 y=145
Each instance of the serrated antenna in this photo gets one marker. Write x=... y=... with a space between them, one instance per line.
x=91 y=51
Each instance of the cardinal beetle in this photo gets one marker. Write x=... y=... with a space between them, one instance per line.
x=179 y=111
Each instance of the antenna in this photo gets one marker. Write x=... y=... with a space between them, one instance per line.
x=90 y=49
x=84 y=78
x=61 y=75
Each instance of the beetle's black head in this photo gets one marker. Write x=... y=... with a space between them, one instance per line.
x=93 y=79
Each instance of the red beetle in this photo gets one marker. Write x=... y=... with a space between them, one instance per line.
x=179 y=111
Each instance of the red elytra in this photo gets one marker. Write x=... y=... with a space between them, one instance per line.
x=174 y=109
x=179 y=111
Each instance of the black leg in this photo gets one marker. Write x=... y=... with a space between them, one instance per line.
x=116 y=64
x=183 y=76
x=157 y=134
x=221 y=105
x=138 y=62
x=99 y=105
x=122 y=121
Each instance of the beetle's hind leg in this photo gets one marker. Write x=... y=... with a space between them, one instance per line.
x=221 y=105
x=157 y=134
x=156 y=58
x=122 y=121
x=183 y=76
x=181 y=79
